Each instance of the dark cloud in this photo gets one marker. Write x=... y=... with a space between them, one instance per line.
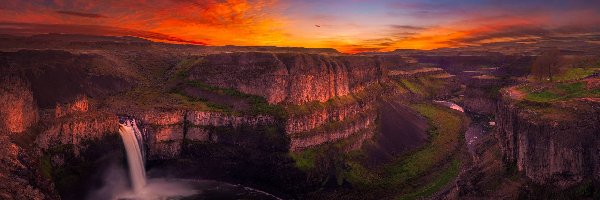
x=361 y=49
x=407 y=27
x=32 y=28
x=507 y=32
x=566 y=36
x=80 y=14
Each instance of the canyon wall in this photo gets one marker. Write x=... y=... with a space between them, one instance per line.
x=282 y=78
x=18 y=110
x=167 y=131
x=290 y=78
x=481 y=95
x=75 y=124
x=551 y=148
x=351 y=117
x=56 y=76
x=19 y=177
x=304 y=80
x=344 y=86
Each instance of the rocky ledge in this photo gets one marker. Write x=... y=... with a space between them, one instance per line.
x=550 y=142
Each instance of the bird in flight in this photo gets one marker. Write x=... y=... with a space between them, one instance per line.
x=317 y=26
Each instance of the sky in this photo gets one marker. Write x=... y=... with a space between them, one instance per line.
x=350 y=26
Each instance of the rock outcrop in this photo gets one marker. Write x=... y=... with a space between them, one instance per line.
x=167 y=130
x=14 y=183
x=555 y=144
x=360 y=126
x=58 y=77
x=352 y=116
x=481 y=95
x=77 y=130
x=291 y=78
x=18 y=110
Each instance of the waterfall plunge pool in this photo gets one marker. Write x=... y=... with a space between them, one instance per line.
x=162 y=188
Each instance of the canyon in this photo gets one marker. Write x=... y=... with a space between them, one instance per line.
x=296 y=123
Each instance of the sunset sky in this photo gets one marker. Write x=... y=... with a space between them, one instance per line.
x=347 y=25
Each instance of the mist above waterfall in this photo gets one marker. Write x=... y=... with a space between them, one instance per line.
x=140 y=187
x=114 y=182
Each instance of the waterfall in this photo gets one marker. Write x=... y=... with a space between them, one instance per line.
x=132 y=139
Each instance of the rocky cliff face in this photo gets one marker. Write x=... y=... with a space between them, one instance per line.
x=291 y=78
x=361 y=127
x=19 y=176
x=353 y=117
x=60 y=76
x=18 y=110
x=14 y=183
x=306 y=122
x=285 y=78
x=301 y=79
x=481 y=95
x=167 y=130
x=560 y=149
x=76 y=130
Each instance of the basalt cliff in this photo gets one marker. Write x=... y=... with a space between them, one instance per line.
x=265 y=104
x=554 y=144
x=298 y=123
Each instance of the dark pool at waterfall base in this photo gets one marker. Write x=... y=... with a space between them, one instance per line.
x=184 y=189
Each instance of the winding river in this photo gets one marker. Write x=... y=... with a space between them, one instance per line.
x=478 y=127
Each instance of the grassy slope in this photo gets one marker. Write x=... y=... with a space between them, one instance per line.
x=445 y=140
x=426 y=86
x=575 y=74
x=419 y=174
x=560 y=92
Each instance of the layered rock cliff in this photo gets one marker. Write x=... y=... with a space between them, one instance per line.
x=351 y=116
x=554 y=143
x=167 y=130
x=290 y=78
x=73 y=122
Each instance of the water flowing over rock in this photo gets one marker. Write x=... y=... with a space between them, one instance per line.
x=130 y=134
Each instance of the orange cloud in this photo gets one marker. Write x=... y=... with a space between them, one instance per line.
x=237 y=22
x=271 y=22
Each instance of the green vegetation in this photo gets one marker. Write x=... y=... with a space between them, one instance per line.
x=412 y=87
x=183 y=67
x=45 y=166
x=258 y=104
x=560 y=92
x=426 y=170
x=69 y=178
x=575 y=74
x=444 y=139
x=446 y=177
x=335 y=102
x=305 y=160
x=425 y=86
x=335 y=125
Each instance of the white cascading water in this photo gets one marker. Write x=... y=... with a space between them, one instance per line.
x=143 y=189
x=132 y=139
